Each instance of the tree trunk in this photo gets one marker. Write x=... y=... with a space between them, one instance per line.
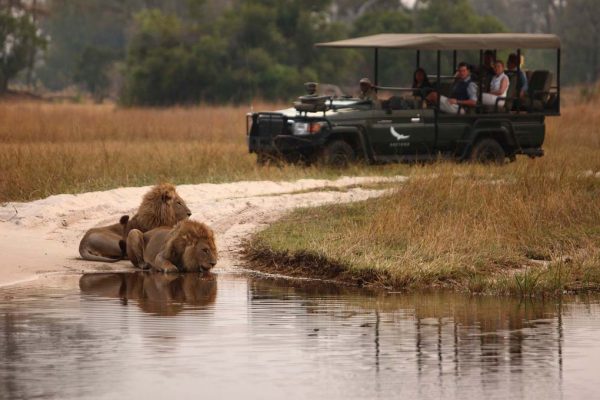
x=3 y=84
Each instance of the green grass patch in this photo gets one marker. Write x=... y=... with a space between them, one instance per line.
x=524 y=229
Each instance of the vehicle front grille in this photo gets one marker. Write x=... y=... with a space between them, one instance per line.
x=270 y=125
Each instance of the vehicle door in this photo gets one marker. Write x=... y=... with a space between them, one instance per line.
x=399 y=133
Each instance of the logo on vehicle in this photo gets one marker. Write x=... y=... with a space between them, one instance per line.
x=397 y=135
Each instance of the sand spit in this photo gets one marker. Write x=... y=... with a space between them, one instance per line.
x=40 y=238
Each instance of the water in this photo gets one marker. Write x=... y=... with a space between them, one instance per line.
x=227 y=335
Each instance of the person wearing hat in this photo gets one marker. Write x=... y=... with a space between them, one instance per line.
x=311 y=88
x=367 y=91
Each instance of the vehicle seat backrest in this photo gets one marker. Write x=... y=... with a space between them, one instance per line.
x=539 y=88
x=528 y=74
x=445 y=87
x=539 y=85
x=397 y=103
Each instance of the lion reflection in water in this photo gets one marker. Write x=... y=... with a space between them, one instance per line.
x=155 y=293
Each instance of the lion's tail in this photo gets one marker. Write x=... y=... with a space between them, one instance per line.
x=86 y=255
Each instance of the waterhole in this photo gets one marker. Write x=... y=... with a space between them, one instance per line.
x=233 y=336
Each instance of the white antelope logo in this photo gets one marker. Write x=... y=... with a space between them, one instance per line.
x=397 y=135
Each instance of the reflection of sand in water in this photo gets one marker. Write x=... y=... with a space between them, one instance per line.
x=155 y=293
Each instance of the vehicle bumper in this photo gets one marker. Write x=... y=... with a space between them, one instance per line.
x=284 y=144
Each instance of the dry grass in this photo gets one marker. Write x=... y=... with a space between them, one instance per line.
x=469 y=227
x=527 y=228
x=65 y=148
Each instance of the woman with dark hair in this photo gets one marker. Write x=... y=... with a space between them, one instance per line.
x=421 y=84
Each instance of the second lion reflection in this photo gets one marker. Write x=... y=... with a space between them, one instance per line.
x=155 y=293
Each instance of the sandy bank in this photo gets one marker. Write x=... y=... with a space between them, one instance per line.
x=42 y=237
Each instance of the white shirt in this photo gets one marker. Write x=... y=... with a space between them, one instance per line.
x=497 y=82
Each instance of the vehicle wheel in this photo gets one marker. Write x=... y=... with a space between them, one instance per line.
x=337 y=154
x=488 y=151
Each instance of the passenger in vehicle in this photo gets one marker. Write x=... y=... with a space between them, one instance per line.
x=421 y=84
x=498 y=87
x=488 y=68
x=463 y=94
x=511 y=68
x=367 y=91
x=311 y=88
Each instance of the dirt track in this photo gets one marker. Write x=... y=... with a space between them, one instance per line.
x=42 y=237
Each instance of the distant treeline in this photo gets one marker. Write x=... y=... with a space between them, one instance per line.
x=151 y=52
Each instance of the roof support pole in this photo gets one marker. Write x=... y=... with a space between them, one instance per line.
x=437 y=84
x=480 y=91
x=558 y=80
x=454 y=61
x=375 y=67
x=519 y=85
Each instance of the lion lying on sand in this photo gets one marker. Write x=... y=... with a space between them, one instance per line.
x=161 y=206
x=188 y=247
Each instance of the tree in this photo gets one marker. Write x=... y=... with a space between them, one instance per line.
x=92 y=70
x=75 y=25
x=396 y=67
x=19 y=38
x=158 y=61
x=260 y=49
x=453 y=16
x=580 y=29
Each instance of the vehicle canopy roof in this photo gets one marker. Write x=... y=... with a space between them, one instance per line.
x=451 y=41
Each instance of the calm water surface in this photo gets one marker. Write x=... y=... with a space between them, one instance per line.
x=232 y=336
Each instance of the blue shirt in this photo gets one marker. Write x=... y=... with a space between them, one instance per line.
x=522 y=79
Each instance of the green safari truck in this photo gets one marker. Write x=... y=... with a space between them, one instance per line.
x=406 y=128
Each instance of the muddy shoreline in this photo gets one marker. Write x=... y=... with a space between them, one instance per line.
x=307 y=265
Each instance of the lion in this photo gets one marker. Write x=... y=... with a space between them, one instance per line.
x=161 y=206
x=102 y=243
x=188 y=247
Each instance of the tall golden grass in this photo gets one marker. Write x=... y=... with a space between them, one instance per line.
x=529 y=227
x=64 y=148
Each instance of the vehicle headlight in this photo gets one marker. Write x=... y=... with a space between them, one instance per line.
x=306 y=128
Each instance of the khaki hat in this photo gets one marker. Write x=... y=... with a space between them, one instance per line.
x=366 y=80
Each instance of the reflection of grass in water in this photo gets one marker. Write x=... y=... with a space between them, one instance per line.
x=465 y=227
x=60 y=148
x=488 y=312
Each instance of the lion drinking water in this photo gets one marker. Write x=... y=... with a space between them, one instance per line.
x=188 y=247
x=161 y=206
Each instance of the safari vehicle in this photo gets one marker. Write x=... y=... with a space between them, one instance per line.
x=339 y=130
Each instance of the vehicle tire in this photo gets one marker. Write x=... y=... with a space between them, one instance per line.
x=488 y=151
x=337 y=153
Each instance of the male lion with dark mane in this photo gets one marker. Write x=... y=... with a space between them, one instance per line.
x=161 y=206
x=188 y=247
